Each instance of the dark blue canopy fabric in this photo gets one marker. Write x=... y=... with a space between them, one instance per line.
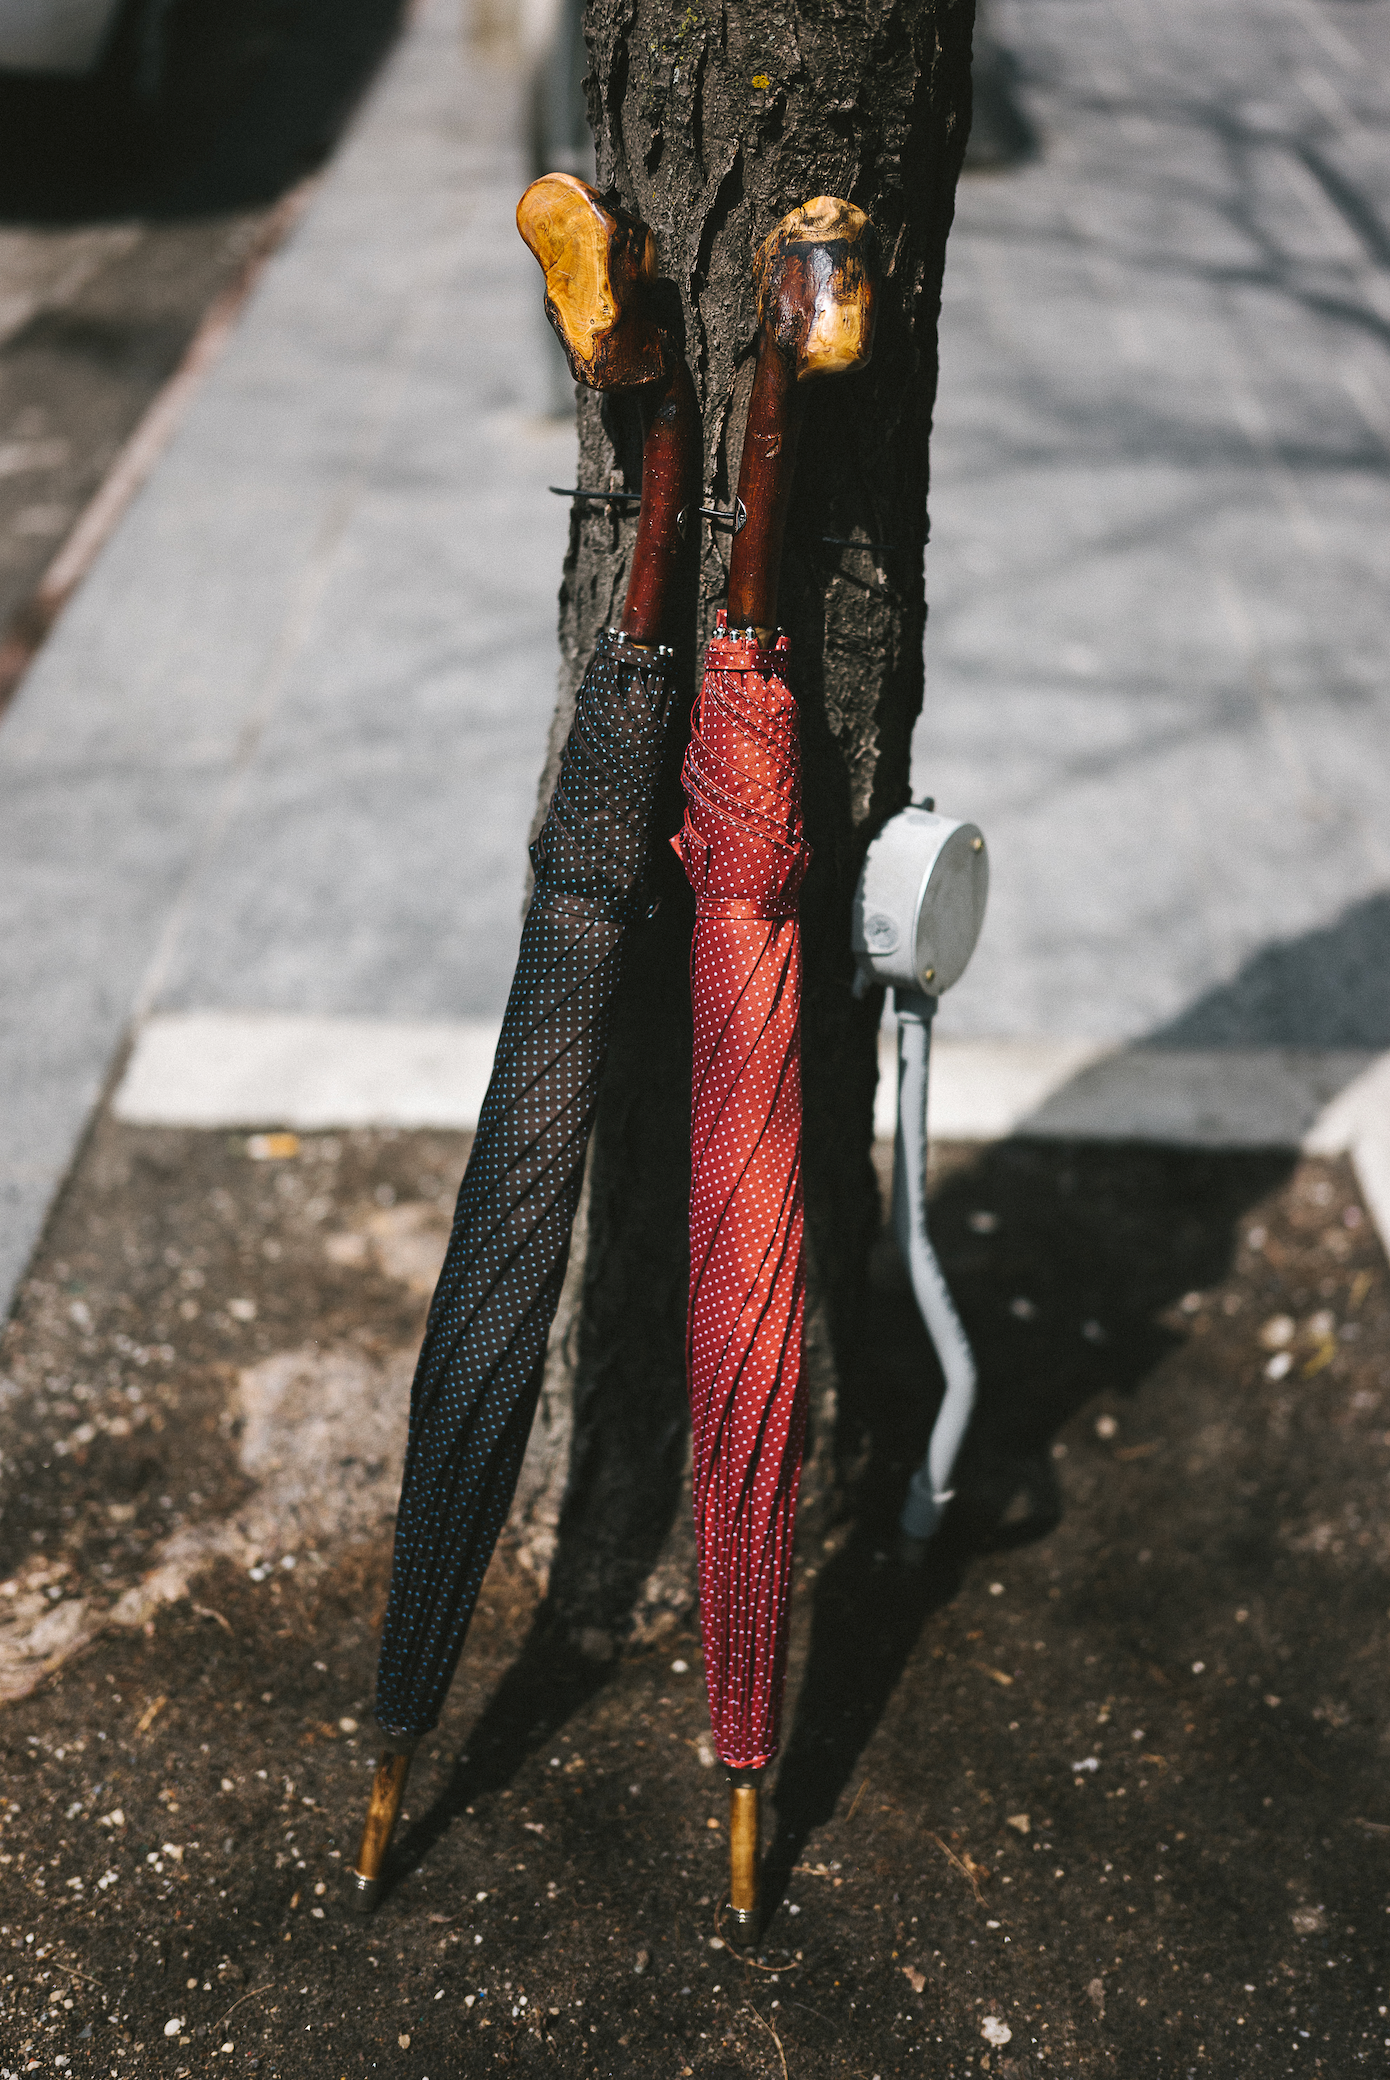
x=480 y=1367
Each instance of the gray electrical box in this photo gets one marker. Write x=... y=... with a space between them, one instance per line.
x=920 y=902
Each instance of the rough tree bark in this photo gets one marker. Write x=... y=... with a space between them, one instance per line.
x=710 y=123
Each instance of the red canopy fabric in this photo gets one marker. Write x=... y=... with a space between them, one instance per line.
x=741 y=845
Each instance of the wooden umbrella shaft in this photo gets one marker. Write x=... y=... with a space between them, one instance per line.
x=670 y=423
x=766 y=468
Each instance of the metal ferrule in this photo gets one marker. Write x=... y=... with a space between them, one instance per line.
x=624 y=641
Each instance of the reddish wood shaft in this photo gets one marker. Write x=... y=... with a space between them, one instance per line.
x=765 y=476
x=669 y=449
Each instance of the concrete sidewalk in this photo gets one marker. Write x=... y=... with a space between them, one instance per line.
x=1157 y=654
x=282 y=750
x=276 y=765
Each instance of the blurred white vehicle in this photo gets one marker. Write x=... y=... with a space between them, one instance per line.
x=72 y=38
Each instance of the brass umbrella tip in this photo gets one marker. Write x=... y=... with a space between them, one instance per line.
x=366 y=1880
x=744 y=1910
x=597 y=264
x=364 y=1894
x=817 y=275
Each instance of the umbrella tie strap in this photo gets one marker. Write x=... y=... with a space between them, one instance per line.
x=698 y=856
x=752 y=913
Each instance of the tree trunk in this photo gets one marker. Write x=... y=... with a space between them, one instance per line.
x=711 y=124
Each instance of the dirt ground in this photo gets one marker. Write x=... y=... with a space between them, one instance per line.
x=1098 y=1787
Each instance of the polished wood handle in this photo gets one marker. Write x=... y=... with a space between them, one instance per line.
x=670 y=451
x=600 y=266
x=817 y=275
x=597 y=264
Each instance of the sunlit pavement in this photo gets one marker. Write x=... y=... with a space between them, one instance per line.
x=1160 y=507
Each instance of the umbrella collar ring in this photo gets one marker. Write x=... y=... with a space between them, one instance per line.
x=738 y=649
x=623 y=641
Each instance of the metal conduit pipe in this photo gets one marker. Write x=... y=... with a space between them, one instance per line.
x=917 y=915
x=930 y=1488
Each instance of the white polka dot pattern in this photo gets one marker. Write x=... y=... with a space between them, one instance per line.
x=480 y=1366
x=742 y=848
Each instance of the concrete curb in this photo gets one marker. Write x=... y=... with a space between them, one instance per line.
x=245 y=1070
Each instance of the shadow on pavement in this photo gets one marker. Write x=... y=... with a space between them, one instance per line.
x=1001 y=131
x=245 y=97
x=1329 y=987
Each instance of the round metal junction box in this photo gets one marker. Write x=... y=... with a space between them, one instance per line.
x=920 y=902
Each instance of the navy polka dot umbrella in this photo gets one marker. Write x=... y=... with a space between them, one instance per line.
x=480 y=1368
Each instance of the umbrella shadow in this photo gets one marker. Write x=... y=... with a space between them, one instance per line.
x=1064 y=1258
x=550 y=1680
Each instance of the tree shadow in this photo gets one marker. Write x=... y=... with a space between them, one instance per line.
x=1328 y=987
x=1063 y=1258
x=244 y=97
x=1001 y=132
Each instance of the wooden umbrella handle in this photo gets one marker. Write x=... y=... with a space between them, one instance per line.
x=600 y=266
x=817 y=274
x=670 y=447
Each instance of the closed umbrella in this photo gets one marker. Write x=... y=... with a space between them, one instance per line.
x=744 y=854
x=479 y=1372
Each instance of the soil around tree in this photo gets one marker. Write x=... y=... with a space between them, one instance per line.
x=1097 y=1787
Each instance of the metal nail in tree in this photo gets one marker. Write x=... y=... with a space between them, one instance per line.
x=479 y=1372
x=744 y=854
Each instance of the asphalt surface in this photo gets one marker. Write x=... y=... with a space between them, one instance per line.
x=282 y=748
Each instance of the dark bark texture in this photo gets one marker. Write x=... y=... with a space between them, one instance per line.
x=711 y=122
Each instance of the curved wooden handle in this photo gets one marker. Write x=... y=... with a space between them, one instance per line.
x=817 y=274
x=597 y=264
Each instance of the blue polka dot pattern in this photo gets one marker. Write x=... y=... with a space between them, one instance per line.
x=479 y=1373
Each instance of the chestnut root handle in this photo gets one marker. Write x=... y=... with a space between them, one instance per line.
x=599 y=269
x=597 y=264
x=817 y=274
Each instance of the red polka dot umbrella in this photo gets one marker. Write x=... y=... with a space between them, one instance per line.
x=743 y=853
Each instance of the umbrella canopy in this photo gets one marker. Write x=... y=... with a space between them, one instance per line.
x=480 y=1366
x=741 y=845
x=743 y=852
